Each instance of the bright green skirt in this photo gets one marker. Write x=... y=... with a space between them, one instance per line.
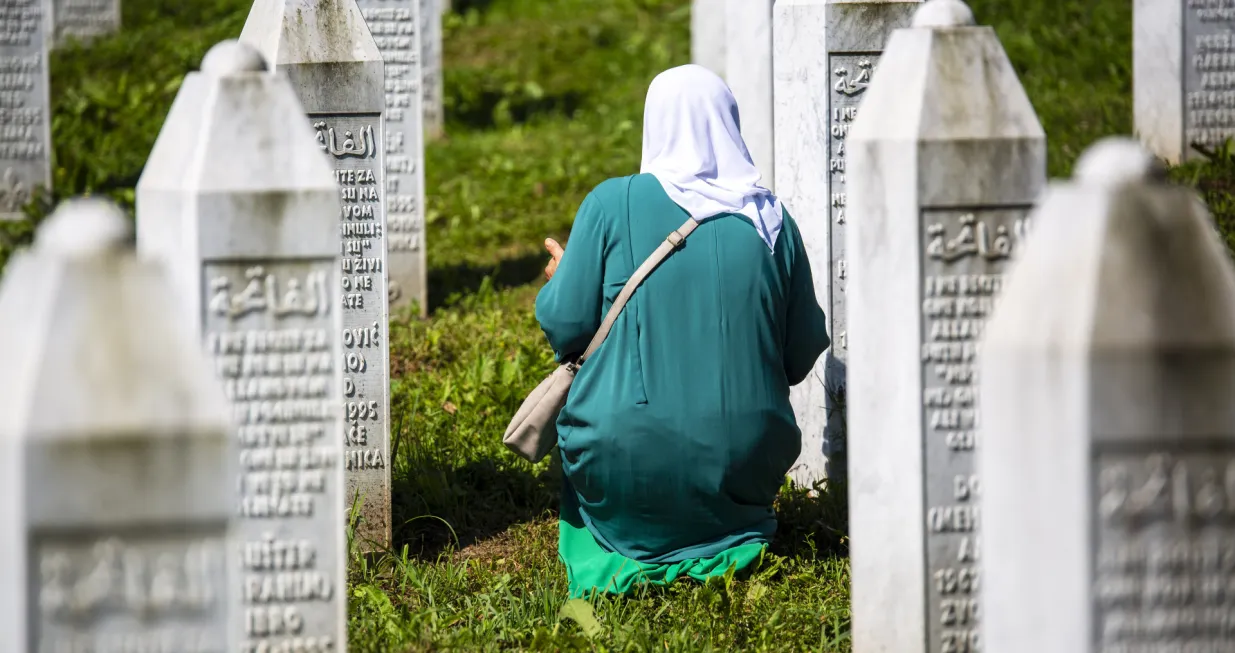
x=589 y=567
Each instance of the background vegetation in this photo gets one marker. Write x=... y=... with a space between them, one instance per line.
x=544 y=100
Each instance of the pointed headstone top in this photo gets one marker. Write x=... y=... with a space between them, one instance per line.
x=944 y=13
x=84 y=227
x=1115 y=161
x=232 y=57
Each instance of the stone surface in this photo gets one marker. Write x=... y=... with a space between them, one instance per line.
x=1108 y=434
x=431 y=67
x=394 y=27
x=334 y=65
x=823 y=57
x=748 y=71
x=248 y=235
x=945 y=159
x=83 y=19
x=707 y=34
x=1183 y=75
x=25 y=108
x=117 y=465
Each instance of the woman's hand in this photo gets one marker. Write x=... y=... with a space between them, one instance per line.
x=555 y=250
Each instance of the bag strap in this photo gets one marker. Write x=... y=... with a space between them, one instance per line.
x=672 y=242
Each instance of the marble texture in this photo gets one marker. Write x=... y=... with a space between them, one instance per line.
x=399 y=28
x=336 y=69
x=25 y=150
x=811 y=36
x=223 y=221
x=945 y=159
x=116 y=449
x=748 y=71
x=707 y=34
x=1157 y=76
x=1108 y=367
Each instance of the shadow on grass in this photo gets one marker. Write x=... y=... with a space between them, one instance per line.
x=438 y=507
x=483 y=499
x=448 y=284
x=812 y=522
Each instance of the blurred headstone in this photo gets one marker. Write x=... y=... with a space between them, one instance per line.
x=25 y=106
x=394 y=26
x=707 y=34
x=83 y=19
x=945 y=160
x=1183 y=69
x=334 y=65
x=117 y=464
x=1108 y=435
x=431 y=67
x=824 y=56
x=250 y=242
x=748 y=71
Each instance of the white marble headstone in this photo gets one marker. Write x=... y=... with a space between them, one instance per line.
x=748 y=72
x=249 y=238
x=1108 y=434
x=83 y=19
x=707 y=34
x=328 y=53
x=25 y=106
x=824 y=56
x=117 y=460
x=1183 y=75
x=945 y=159
x=394 y=24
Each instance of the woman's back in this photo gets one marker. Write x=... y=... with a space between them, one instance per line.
x=678 y=431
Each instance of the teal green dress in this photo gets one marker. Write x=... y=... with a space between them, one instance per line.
x=678 y=431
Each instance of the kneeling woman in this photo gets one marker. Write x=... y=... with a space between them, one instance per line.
x=678 y=432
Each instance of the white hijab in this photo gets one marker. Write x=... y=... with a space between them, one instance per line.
x=693 y=146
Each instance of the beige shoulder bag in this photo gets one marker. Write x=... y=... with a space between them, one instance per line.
x=533 y=432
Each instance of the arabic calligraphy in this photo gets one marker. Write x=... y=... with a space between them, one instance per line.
x=974 y=239
x=360 y=145
x=262 y=294
x=852 y=86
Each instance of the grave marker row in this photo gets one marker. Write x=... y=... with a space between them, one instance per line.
x=1073 y=493
x=945 y=159
x=257 y=534
x=248 y=242
x=327 y=52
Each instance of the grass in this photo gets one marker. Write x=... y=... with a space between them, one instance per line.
x=543 y=101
